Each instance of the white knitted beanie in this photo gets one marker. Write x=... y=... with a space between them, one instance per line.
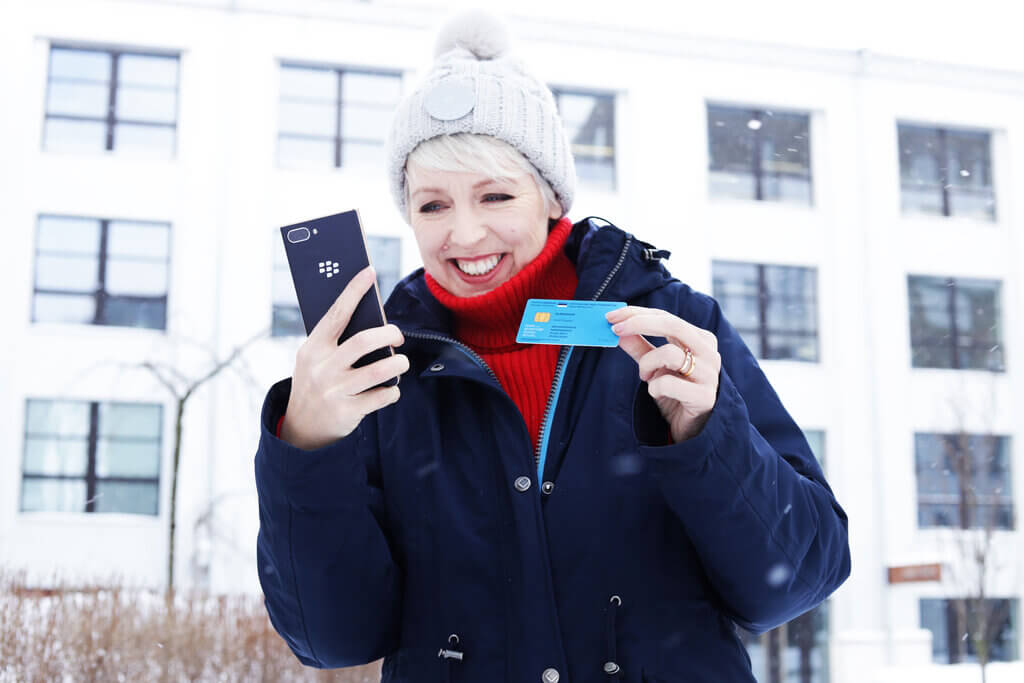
x=476 y=87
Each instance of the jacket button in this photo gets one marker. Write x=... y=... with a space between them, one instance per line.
x=547 y=487
x=522 y=484
x=550 y=676
x=437 y=367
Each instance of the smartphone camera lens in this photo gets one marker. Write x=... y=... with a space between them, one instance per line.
x=296 y=235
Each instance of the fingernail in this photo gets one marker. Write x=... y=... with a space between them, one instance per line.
x=617 y=328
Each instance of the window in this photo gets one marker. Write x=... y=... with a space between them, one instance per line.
x=329 y=118
x=100 y=100
x=774 y=308
x=954 y=323
x=796 y=652
x=85 y=456
x=589 y=120
x=963 y=480
x=759 y=154
x=385 y=254
x=101 y=272
x=816 y=440
x=950 y=620
x=945 y=172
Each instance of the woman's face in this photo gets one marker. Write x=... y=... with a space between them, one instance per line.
x=474 y=232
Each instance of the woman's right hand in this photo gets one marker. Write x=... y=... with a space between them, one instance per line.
x=329 y=397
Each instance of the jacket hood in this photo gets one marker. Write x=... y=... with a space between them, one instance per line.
x=597 y=248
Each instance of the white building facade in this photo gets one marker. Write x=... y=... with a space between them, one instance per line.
x=858 y=216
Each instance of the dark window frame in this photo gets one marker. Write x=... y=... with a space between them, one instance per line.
x=557 y=91
x=92 y=480
x=968 y=517
x=111 y=121
x=101 y=295
x=339 y=105
x=953 y=346
x=952 y=648
x=763 y=295
x=756 y=165
x=942 y=134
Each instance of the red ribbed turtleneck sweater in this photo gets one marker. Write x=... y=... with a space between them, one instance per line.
x=488 y=324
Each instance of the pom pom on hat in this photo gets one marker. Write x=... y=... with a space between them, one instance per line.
x=482 y=33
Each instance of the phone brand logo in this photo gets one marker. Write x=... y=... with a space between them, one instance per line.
x=329 y=268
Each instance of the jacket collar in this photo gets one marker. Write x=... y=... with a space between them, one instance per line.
x=595 y=247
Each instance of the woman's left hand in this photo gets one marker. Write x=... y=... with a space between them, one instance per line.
x=684 y=402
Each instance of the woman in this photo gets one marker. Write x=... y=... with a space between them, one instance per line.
x=518 y=512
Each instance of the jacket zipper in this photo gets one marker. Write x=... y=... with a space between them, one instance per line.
x=559 y=367
x=545 y=423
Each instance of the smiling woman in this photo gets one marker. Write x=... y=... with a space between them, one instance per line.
x=476 y=230
x=523 y=512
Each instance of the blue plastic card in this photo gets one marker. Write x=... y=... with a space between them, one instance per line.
x=568 y=323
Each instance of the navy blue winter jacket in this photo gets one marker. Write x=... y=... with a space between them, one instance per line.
x=436 y=537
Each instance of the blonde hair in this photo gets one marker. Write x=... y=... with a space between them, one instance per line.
x=475 y=153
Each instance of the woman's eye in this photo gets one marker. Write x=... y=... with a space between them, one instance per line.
x=497 y=197
x=430 y=207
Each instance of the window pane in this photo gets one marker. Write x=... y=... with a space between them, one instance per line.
x=386 y=256
x=369 y=155
x=64 y=418
x=731 y=152
x=364 y=122
x=78 y=99
x=65 y=135
x=589 y=120
x=136 y=277
x=598 y=173
x=127 y=458
x=139 y=420
x=52 y=495
x=143 y=140
x=79 y=64
x=735 y=287
x=308 y=118
x=64 y=308
x=68 y=456
x=77 y=273
x=791 y=347
x=930 y=322
x=816 y=440
x=287 y=322
x=68 y=235
x=147 y=104
x=977 y=322
x=135 y=312
x=370 y=88
x=151 y=70
x=921 y=172
x=933 y=618
x=305 y=152
x=126 y=497
x=970 y=175
x=791 y=313
x=138 y=240
x=319 y=84
x=784 y=149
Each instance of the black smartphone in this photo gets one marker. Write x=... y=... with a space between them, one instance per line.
x=324 y=254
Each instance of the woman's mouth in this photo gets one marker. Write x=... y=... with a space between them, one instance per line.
x=478 y=267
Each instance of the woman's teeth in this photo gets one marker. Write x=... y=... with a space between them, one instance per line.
x=479 y=266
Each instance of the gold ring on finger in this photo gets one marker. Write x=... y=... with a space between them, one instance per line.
x=689 y=362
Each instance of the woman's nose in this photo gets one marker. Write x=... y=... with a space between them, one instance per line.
x=467 y=229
